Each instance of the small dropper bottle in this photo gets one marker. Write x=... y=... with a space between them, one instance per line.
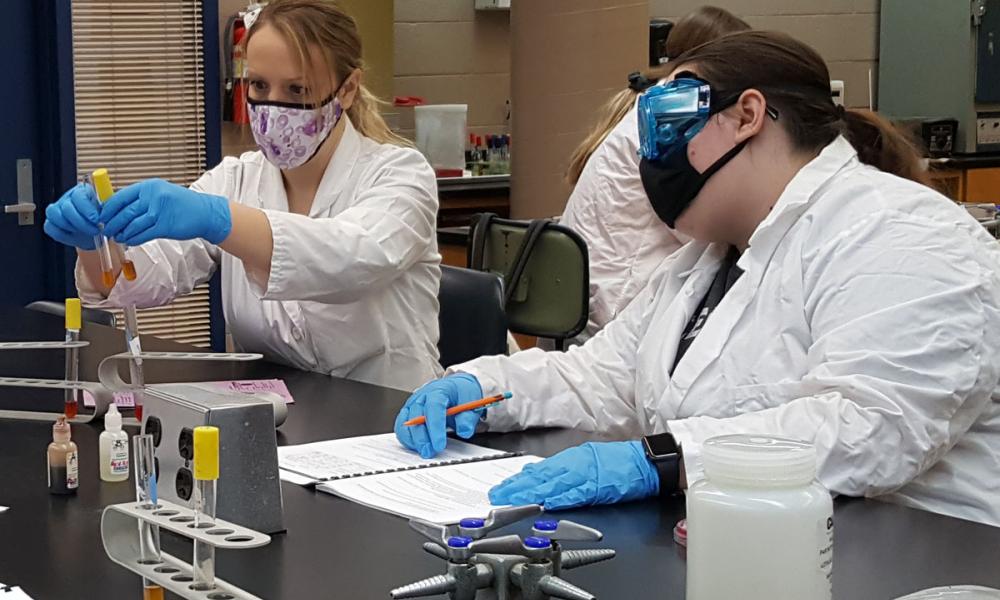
x=64 y=468
x=113 y=445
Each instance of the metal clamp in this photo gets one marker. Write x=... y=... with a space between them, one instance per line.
x=108 y=373
x=120 y=535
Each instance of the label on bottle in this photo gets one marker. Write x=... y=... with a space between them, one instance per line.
x=72 y=471
x=119 y=457
x=825 y=545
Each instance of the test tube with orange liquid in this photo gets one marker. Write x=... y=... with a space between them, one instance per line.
x=104 y=190
x=102 y=186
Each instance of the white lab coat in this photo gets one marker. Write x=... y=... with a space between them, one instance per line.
x=353 y=286
x=867 y=321
x=626 y=241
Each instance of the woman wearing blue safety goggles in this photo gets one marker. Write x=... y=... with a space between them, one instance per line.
x=828 y=296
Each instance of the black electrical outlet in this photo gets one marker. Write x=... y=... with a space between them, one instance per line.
x=185 y=444
x=184 y=484
x=154 y=428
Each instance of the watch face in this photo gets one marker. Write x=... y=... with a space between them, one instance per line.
x=661 y=445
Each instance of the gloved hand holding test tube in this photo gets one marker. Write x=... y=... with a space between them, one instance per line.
x=102 y=186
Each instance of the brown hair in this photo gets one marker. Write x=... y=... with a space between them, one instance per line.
x=697 y=27
x=307 y=24
x=795 y=81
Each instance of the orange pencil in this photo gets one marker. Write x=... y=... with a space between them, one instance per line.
x=461 y=408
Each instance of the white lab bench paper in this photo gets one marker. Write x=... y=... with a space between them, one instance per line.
x=368 y=455
x=12 y=593
x=443 y=495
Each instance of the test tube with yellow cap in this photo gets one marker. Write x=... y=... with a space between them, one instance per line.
x=102 y=185
x=206 y=473
x=73 y=322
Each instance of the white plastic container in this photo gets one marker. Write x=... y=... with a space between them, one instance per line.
x=441 y=134
x=955 y=592
x=759 y=526
x=113 y=447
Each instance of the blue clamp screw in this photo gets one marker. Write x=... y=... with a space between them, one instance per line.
x=546 y=525
x=537 y=542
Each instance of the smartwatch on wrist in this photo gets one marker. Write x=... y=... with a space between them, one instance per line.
x=663 y=451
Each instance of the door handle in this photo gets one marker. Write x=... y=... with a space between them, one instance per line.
x=25 y=205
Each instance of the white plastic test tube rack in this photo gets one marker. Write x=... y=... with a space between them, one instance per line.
x=110 y=376
x=120 y=534
x=102 y=396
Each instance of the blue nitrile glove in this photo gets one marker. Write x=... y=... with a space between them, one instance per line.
x=432 y=400
x=73 y=218
x=593 y=473
x=155 y=209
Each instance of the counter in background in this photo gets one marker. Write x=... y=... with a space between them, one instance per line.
x=973 y=178
x=462 y=197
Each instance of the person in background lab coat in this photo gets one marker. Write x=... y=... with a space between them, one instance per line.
x=608 y=207
x=825 y=299
x=325 y=236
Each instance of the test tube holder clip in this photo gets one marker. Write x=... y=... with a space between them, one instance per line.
x=122 y=542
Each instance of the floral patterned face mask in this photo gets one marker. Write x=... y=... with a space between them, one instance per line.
x=290 y=134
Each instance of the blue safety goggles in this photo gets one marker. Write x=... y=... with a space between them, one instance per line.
x=672 y=113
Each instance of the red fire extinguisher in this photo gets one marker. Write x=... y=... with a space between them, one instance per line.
x=240 y=75
x=234 y=107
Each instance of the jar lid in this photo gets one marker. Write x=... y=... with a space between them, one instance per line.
x=955 y=592
x=759 y=460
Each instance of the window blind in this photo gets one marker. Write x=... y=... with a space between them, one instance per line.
x=138 y=77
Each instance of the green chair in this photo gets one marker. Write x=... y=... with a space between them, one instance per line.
x=545 y=272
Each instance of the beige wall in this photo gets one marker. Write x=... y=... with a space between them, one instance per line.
x=569 y=57
x=845 y=32
x=375 y=23
x=449 y=53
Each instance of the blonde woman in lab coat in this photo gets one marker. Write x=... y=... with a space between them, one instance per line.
x=826 y=297
x=325 y=236
x=608 y=207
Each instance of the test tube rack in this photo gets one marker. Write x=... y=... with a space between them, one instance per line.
x=102 y=396
x=121 y=537
x=110 y=376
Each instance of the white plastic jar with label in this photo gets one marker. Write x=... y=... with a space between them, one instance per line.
x=759 y=525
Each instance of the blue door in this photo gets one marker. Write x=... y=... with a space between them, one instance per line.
x=37 y=154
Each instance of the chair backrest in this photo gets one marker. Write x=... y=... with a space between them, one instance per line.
x=545 y=269
x=89 y=315
x=471 y=318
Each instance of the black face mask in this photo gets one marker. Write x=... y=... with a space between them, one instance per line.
x=672 y=184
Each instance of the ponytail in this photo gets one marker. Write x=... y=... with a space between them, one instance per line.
x=367 y=119
x=611 y=114
x=884 y=146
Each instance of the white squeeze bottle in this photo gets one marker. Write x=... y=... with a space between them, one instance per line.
x=759 y=525
x=113 y=447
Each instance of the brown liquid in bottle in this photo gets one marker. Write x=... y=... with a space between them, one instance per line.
x=128 y=268
x=64 y=470
x=108 y=277
x=70 y=409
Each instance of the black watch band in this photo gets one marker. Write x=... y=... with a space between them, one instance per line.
x=663 y=451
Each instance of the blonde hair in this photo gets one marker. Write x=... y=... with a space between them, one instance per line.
x=694 y=29
x=323 y=25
